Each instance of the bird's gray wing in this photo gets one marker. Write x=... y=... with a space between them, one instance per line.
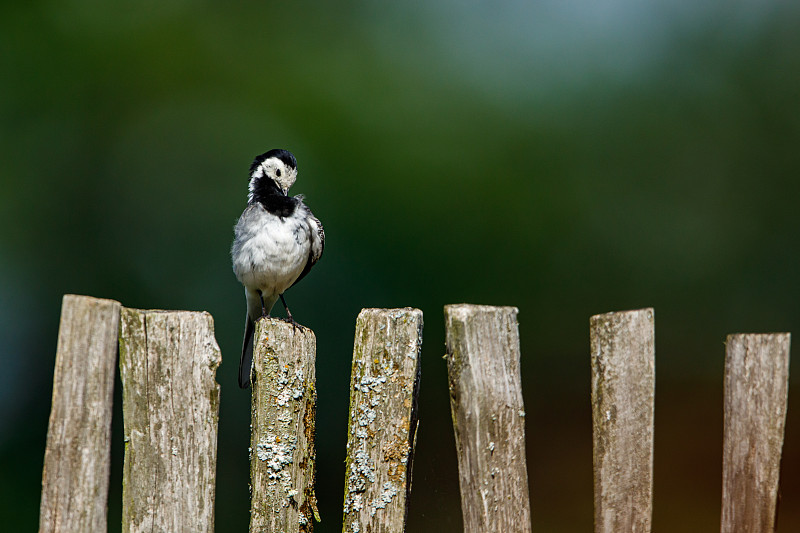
x=317 y=244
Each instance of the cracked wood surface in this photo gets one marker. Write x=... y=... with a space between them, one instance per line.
x=384 y=386
x=483 y=359
x=756 y=394
x=76 y=460
x=623 y=395
x=282 y=453
x=168 y=364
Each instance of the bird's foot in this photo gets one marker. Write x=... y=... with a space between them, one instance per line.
x=290 y=319
x=295 y=325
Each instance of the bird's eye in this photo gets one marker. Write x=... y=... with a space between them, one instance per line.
x=278 y=173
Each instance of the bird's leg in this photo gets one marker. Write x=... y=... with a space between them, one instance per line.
x=289 y=313
x=263 y=307
x=291 y=319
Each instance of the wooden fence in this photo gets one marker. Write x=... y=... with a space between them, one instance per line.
x=168 y=362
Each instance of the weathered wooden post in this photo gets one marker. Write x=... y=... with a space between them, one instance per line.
x=76 y=461
x=168 y=363
x=489 y=417
x=756 y=395
x=623 y=400
x=383 y=419
x=282 y=454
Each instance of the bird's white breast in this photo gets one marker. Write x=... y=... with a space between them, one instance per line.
x=271 y=251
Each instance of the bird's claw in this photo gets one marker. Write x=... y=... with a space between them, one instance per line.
x=295 y=325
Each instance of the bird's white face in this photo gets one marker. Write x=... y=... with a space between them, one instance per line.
x=276 y=170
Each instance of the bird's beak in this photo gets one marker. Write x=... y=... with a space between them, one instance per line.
x=285 y=191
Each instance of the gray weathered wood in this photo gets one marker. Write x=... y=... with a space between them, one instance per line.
x=756 y=393
x=76 y=460
x=623 y=394
x=282 y=454
x=381 y=435
x=168 y=364
x=483 y=359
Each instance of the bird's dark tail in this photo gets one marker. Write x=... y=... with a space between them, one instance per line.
x=246 y=362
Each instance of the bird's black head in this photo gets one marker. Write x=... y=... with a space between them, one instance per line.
x=274 y=169
x=282 y=155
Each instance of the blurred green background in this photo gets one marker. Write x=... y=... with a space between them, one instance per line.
x=566 y=157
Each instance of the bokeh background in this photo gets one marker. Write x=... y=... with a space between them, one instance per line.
x=566 y=157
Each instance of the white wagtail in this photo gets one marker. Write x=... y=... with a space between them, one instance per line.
x=276 y=242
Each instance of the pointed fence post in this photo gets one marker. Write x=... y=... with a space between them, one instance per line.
x=623 y=400
x=282 y=454
x=383 y=419
x=168 y=362
x=489 y=417
x=756 y=395
x=76 y=460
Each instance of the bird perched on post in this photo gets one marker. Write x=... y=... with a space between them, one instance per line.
x=276 y=242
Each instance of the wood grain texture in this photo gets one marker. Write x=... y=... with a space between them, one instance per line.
x=483 y=362
x=76 y=461
x=282 y=453
x=756 y=394
x=623 y=400
x=384 y=386
x=168 y=364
